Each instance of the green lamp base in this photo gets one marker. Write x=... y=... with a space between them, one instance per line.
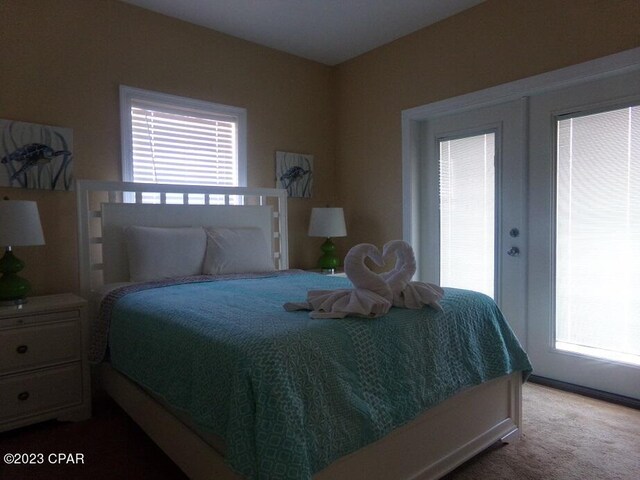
x=13 y=288
x=329 y=261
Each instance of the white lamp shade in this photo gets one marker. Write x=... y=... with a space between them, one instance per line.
x=327 y=222
x=20 y=223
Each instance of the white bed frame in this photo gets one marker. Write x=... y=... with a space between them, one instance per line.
x=428 y=447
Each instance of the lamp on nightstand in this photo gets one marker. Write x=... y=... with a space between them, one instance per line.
x=19 y=225
x=328 y=223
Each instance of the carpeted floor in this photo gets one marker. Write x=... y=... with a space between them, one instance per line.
x=566 y=436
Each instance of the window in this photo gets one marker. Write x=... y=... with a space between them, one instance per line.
x=598 y=234
x=467 y=206
x=176 y=140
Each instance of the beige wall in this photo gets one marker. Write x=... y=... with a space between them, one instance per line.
x=496 y=42
x=63 y=60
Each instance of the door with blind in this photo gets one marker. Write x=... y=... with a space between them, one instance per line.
x=473 y=204
x=584 y=280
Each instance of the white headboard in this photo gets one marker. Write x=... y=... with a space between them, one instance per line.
x=106 y=208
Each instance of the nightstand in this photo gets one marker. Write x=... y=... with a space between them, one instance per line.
x=337 y=273
x=44 y=372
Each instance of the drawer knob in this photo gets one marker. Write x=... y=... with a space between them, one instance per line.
x=22 y=349
x=23 y=396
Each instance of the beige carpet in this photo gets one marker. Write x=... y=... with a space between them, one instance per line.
x=565 y=437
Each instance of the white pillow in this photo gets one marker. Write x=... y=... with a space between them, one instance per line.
x=237 y=250
x=156 y=253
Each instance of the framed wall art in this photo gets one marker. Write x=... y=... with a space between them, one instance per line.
x=35 y=156
x=294 y=172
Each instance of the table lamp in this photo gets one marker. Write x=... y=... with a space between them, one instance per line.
x=19 y=225
x=328 y=223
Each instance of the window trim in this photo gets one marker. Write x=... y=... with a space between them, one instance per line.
x=127 y=94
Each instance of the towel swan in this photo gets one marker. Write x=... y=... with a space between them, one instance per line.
x=408 y=294
x=404 y=268
x=374 y=294
x=370 y=298
x=361 y=275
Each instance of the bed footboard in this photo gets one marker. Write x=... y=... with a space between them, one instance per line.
x=442 y=438
x=430 y=446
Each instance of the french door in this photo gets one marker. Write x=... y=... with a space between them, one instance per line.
x=584 y=254
x=536 y=203
x=474 y=205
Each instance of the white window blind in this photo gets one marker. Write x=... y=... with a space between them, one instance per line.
x=598 y=235
x=182 y=149
x=174 y=140
x=467 y=206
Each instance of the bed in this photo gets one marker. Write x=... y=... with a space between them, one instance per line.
x=377 y=441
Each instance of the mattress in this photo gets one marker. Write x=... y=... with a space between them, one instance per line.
x=287 y=394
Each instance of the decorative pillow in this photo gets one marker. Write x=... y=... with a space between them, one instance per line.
x=237 y=250
x=155 y=253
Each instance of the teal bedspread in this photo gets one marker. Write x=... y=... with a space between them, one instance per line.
x=289 y=394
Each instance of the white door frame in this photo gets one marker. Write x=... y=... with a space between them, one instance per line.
x=412 y=165
x=626 y=61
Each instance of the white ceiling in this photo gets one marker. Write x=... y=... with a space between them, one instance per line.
x=327 y=31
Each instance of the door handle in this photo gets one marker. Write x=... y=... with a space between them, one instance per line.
x=513 y=252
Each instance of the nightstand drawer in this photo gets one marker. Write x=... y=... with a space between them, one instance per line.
x=41 y=391
x=41 y=345
x=11 y=317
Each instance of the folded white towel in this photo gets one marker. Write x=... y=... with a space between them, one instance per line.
x=356 y=302
x=404 y=267
x=361 y=275
x=419 y=294
x=370 y=298
x=408 y=294
x=374 y=293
